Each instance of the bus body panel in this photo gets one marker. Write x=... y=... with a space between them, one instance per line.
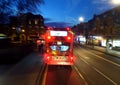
x=59 y=47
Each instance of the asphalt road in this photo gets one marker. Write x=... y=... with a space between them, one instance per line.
x=62 y=75
x=26 y=72
x=91 y=68
x=96 y=67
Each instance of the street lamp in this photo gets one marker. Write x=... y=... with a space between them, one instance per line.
x=81 y=19
x=115 y=1
x=23 y=30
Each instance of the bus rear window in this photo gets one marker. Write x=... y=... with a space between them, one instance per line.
x=59 y=48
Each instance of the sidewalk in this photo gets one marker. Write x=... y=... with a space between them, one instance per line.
x=13 y=55
x=106 y=50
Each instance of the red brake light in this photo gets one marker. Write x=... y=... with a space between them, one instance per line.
x=48 y=28
x=49 y=37
x=68 y=37
x=68 y=28
x=71 y=58
x=48 y=57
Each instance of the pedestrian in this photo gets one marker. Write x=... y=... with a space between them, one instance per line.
x=110 y=45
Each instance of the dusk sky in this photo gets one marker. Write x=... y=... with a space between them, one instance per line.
x=67 y=12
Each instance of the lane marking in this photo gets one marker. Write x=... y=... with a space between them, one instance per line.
x=104 y=59
x=45 y=75
x=99 y=72
x=39 y=77
x=105 y=76
x=107 y=60
x=80 y=75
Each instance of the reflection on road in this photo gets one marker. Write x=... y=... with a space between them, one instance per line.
x=62 y=75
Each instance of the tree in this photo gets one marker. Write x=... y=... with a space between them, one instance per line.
x=28 y=5
x=5 y=10
x=13 y=7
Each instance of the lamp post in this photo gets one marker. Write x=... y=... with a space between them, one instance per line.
x=83 y=25
x=81 y=19
x=115 y=2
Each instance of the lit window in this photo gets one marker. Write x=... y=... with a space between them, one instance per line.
x=36 y=21
x=29 y=21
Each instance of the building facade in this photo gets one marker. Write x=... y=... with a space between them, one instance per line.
x=102 y=29
x=107 y=25
x=27 y=26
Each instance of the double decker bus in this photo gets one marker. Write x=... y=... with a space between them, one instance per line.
x=59 y=46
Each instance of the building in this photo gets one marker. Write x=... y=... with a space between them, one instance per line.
x=27 y=26
x=81 y=32
x=106 y=25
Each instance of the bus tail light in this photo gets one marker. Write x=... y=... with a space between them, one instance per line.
x=48 y=37
x=47 y=58
x=68 y=28
x=71 y=58
x=69 y=38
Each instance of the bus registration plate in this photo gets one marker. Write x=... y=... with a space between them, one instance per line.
x=59 y=58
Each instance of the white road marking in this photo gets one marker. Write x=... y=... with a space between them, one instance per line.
x=80 y=75
x=105 y=76
x=107 y=60
x=45 y=75
x=104 y=59
x=100 y=72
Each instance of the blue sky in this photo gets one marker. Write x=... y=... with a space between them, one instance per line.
x=67 y=12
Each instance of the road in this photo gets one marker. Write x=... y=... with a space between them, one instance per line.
x=96 y=67
x=62 y=75
x=91 y=68
x=25 y=72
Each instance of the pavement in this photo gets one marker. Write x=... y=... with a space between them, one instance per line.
x=14 y=54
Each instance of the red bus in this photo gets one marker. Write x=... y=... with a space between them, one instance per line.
x=59 y=46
